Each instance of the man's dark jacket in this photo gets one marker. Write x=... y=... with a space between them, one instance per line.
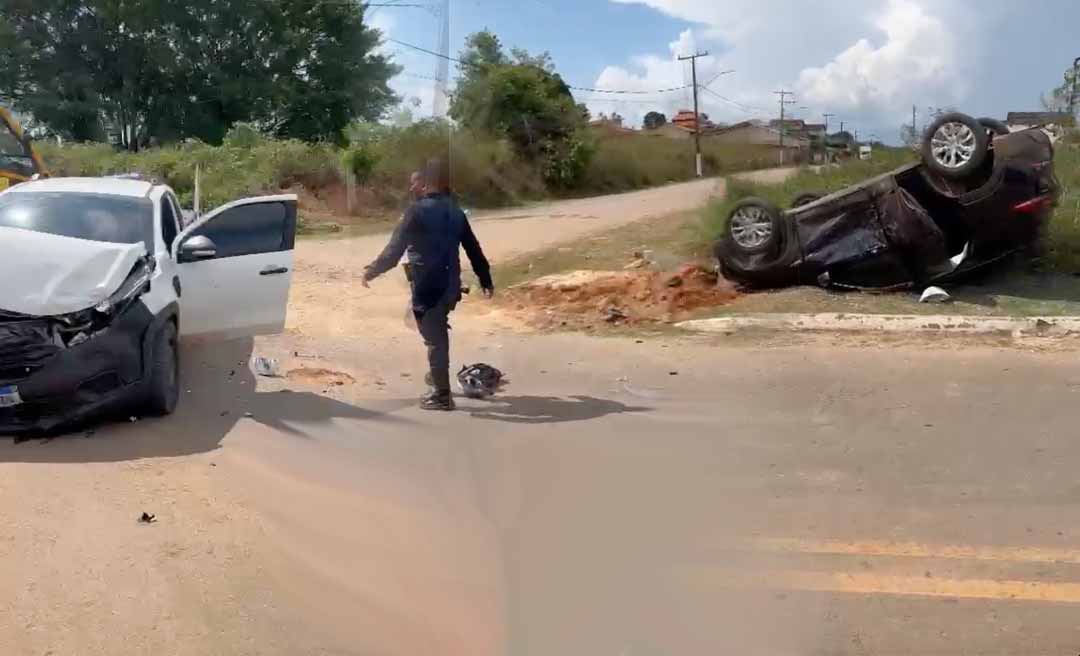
x=431 y=233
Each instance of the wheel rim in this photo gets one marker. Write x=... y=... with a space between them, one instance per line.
x=751 y=226
x=953 y=145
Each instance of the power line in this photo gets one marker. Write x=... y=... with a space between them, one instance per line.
x=716 y=77
x=748 y=109
x=586 y=89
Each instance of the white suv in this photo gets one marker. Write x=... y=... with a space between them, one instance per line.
x=100 y=280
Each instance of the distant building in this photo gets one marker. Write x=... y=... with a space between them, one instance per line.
x=791 y=125
x=753 y=133
x=1025 y=120
x=685 y=119
x=1053 y=123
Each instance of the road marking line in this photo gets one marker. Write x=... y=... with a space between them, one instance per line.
x=917 y=550
x=868 y=583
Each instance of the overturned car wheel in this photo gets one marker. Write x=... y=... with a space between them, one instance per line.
x=996 y=127
x=163 y=386
x=955 y=146
x=754 y=226
x=806 y=199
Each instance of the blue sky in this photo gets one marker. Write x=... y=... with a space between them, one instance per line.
x=867 y=61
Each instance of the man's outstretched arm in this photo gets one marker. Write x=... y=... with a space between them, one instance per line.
x=479 y=263
x=393 y=251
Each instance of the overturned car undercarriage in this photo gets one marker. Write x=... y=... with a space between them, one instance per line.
x=979 y=194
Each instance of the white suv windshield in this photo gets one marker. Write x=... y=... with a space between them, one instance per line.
x=97 y=217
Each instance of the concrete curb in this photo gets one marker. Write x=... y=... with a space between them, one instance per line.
x=888 y=323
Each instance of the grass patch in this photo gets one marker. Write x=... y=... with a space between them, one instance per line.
x=1062 y=252
x=669 y=238
x=1003 y=294
x=627 y=162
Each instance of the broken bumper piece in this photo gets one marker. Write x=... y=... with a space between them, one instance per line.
x=46 y=386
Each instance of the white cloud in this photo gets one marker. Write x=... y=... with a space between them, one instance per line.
x=862 y=59
x=651 y=73
x=918 y=56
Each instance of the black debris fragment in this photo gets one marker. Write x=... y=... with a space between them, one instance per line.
x=147 y=518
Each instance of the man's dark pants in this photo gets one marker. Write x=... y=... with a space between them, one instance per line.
x=434 y=327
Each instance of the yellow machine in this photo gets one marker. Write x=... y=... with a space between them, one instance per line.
x=19 y=161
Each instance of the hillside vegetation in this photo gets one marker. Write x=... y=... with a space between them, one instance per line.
x=487 y=171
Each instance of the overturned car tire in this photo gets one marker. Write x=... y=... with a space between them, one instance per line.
x=754 y=226
x=806 y=199
x=758 y=248
x=955 y=146
x=995 y=126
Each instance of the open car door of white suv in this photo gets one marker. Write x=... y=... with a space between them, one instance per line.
x=235 y=266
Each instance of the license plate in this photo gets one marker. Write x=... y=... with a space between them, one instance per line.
x=9 y=396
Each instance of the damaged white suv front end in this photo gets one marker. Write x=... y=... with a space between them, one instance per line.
x=98 y=286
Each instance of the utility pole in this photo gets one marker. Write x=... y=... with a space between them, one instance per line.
x=914 y=130
x=697 y=116
x=442 y=66
x=784 y=102
x=825 y=139
x=1072 y=96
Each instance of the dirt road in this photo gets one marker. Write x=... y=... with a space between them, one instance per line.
x=676 y=496
x=328 y=301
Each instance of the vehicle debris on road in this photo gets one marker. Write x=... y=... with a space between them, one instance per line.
x=266 y=367
x=935 y=295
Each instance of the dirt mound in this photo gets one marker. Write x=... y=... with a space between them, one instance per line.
x=320 y=377
x=590 y=298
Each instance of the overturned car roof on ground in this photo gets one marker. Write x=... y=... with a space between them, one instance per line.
x=104 y=186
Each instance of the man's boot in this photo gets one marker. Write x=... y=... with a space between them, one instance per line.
x=438 y=400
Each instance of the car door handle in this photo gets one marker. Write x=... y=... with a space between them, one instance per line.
x=273 y=271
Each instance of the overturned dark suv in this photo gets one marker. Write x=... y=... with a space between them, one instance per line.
x=979 y=193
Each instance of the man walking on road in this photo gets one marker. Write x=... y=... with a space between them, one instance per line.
x=431 y=233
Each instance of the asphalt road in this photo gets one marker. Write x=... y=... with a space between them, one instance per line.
x=673 y=496
x=761 y=501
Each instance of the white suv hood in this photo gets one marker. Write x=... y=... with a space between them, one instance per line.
x=44 y=275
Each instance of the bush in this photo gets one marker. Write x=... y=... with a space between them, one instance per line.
x=242 y=135
x=227 y=172
x=486 y=171
x=625 y=162
x=1063 y=233
x=360 y=161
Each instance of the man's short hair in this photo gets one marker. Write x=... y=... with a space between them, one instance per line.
x=437 y=175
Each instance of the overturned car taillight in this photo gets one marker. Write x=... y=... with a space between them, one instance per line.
x=1034 y=205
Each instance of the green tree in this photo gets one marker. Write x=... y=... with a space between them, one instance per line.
x=1059 y=98
x=654 y=120
x=520 y=97
x=142 y=70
